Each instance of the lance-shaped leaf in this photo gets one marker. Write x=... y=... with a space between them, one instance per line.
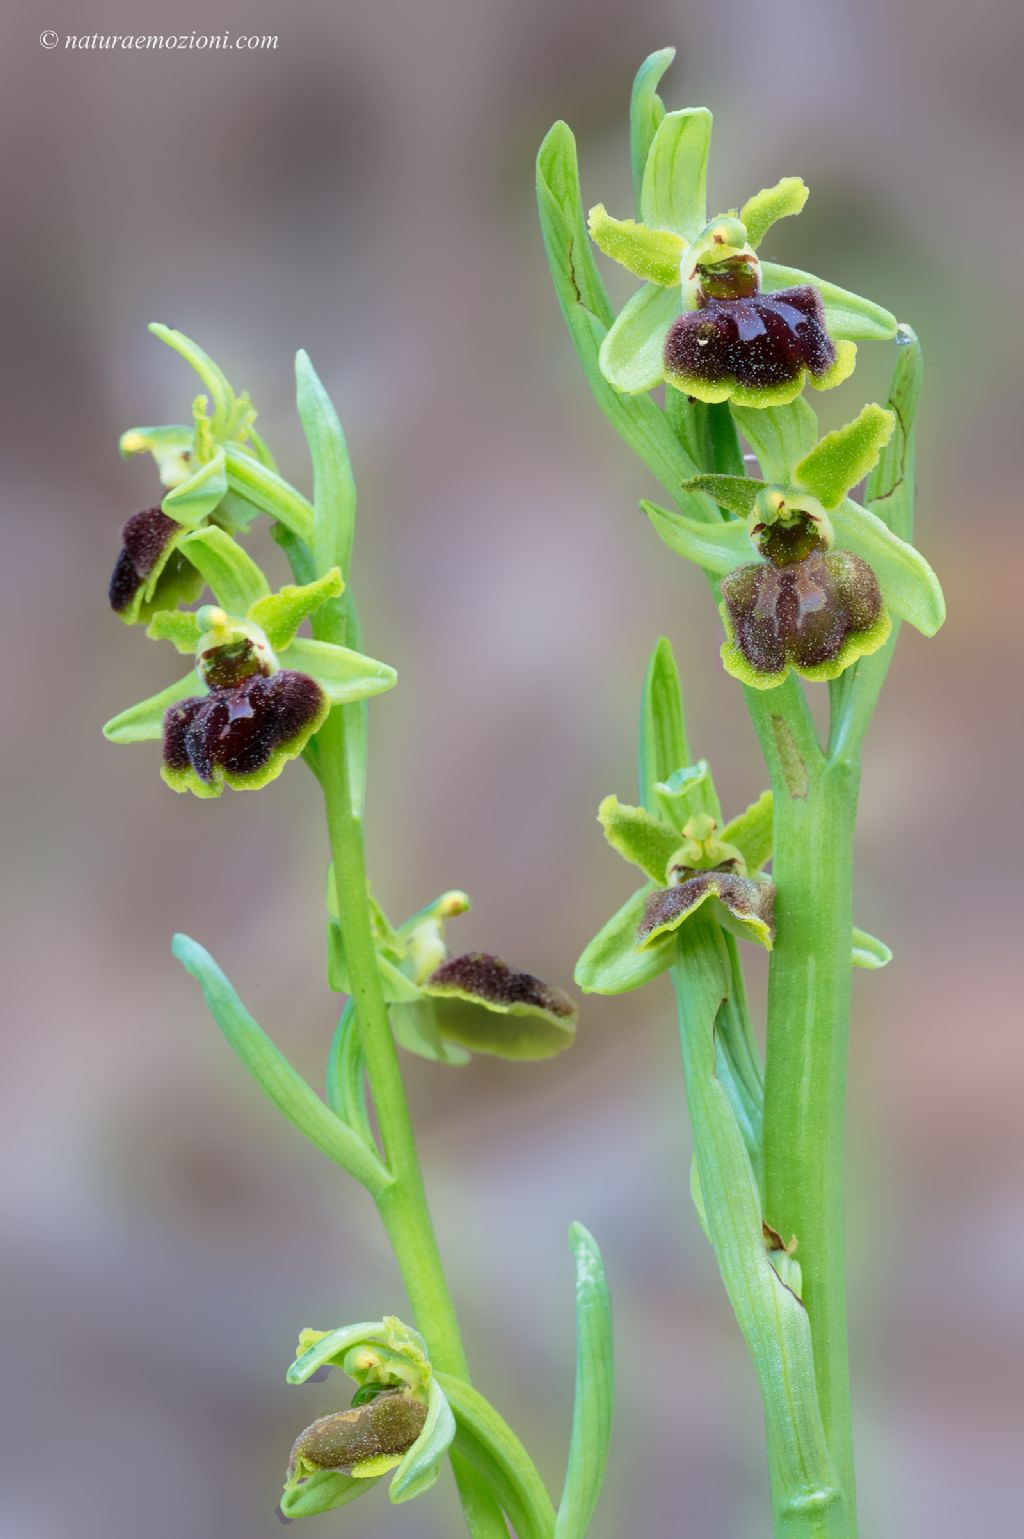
x=280 y=614
x=779 y=438
x=640 y=837
x=212 y=376
x=144 y=723
x=751 y=832
x=342 y=674
x=869 y=951
x=674 y=192
x=841 y=459
x=191 y=502
x=275 y=1075
x=653 y=255
x=334 y=487
x=890 y=490
x=595 y=1390
x=663 y=748
x=228 y=571
x=716 y=548
x=632 y=356
x=613 y=962
x=847 y=315
x=767 y=207
x=646 y=113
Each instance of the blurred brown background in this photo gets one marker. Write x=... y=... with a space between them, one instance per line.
x=366 y=191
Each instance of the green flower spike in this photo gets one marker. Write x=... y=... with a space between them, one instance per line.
x=259 y=690
x=217 y=473
x=445 y=1008
x=399 y=1419
x=712 y=320
x=831 y=570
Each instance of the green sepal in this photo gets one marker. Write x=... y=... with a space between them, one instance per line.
x=191 y=502
x=328 y=1349
x=334 y=487
x=653 y=255
x=417 y=1029
x=420 y=1465
x=663 y=747
x=771 y=204
x=841 y=459
x=179 y=626
x=280 y=614
x=518 y=1032
x=261 y=486
x=613 y=962
x=595 y=1390
x=228 y=571
x=688 y=791
x=323 y=1491
x=212 y=376
x=868 y=951
x=909 y=585
x=639 y=837
x=170 y=446
x=736 y=493
x=646 y=113
x=144 y=723
x=395 y=986
x=674 y=194
x=847 y=315
x=779 y=438
x=276 y=1077
x=751 y=832
x=342 y=674
x=716 y=548
x=632 y=354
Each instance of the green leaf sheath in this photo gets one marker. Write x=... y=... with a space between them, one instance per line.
x=773 y=1321
x=279 y=1081
x=486 y=1441
x=663 y=747
x=595 y=1390
x=266 y=490
x=334 y=487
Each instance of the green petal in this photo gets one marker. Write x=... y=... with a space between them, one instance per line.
x=228 y=571
x=841 y=459
x=778 y=438
x=343 y=675
x=322 y=1492
x=846 y=315
x=212 y=376
x=632 y=355
x=717 y=548
x=751 y=832
x=639 y=837
x=191 y=502
x=179 y=626
x=770 y=205
x=329 y=1348
x=653 y=255
x=663 y=746
x=674 y=193
x=909 y=586
x=144 y=722
x=419 y=1467
x=869 y=951
x=735 y=493
x=613 y=962
x=334 y=487
x=280 y=614
x=689 y=790
x=416 y=1028
x=646 y=113
x=595 y=1390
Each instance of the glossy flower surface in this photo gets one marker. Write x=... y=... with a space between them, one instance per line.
x=150 y=573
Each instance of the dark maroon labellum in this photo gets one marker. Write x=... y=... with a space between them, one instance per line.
x=493 y=981
x=239 y=729
x=762 y=340
x=802 y=613
x=144 y=540
x=748 y=899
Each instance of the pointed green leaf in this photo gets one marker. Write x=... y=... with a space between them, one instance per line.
x=280 y=614
x=869 y=951
x=890 y=489
x=322 y=1492
x=588 y=313
x=674 y=195
x=191 y=502
x=640 y=837
x=663 y=748
x=613 y=962
x=770 y=205
x=736 y=493
x=421 y=1463
x=909 y=586
x=646 y=113
x=342 y=674
x=841 y=459
x=266 y=490
x=846 y=315
x=717 y=548
x=779 y=437
x=179 y=626
x=212 y=376
x=275 y=1075
x=751 y=832
x=595 y=1390
x=653 y=255
x=144 y=722
x=334 y=487
x=228 y=571
x=633 y=353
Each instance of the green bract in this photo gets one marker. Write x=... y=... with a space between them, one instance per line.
x=445 y=1008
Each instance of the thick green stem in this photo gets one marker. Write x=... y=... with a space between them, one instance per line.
x=805 y=1078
